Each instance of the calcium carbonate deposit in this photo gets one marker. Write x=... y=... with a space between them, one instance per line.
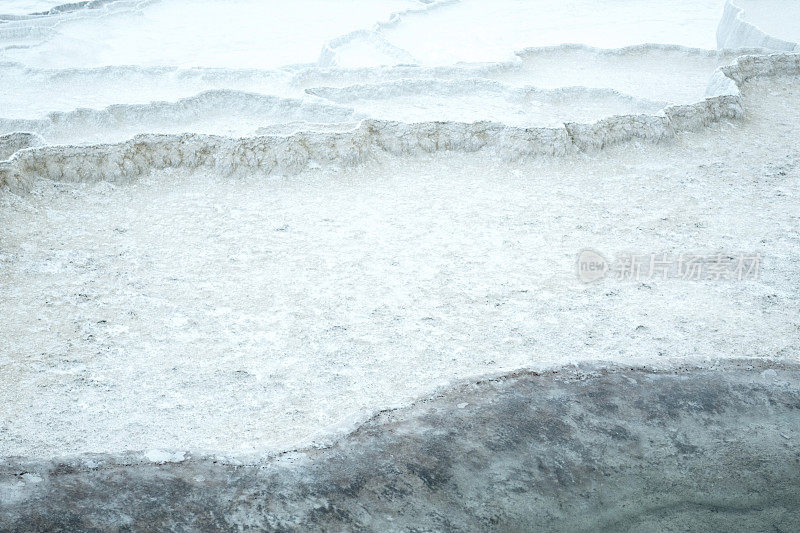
x=243 y=227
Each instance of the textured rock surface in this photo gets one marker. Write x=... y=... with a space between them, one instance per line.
x=305 y=302
x=13 y=142
x=580 y=448
x=222 y=323
x=736 y=30
x=294 y=153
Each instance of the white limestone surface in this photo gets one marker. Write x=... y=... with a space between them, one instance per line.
x=238 y=315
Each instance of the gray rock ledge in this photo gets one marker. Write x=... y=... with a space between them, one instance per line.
x=587 y=448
